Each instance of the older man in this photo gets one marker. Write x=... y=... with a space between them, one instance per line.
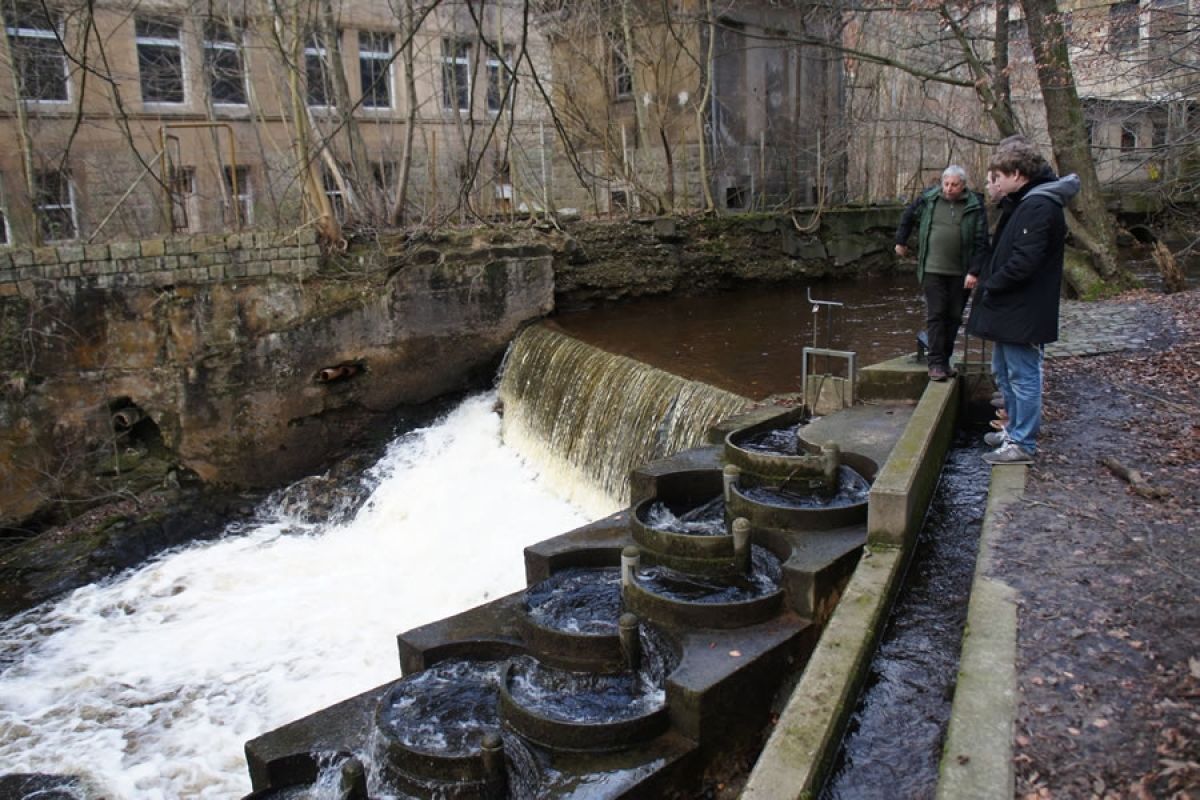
x=952 y=240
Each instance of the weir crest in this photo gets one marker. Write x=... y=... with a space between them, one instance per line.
x=588 y=418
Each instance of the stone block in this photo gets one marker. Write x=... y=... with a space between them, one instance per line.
x=91 y=267
x=9 y=290
x=169 y=262
x=69 y=253
x=162 y=277
x=148 y=264
x=45 y=255
x=29 y=272
x=216 y=272
x=75 y=269
x=198 y=274
x=55 y=271
x=7 y=274
x=236 y=271
x=257 y=269
x=96 y=252
x=123 y=251
x=5 y=260
x=106 y=281
x=178 y=244
x=22 y=258
x=306 y=237
x=154 y=248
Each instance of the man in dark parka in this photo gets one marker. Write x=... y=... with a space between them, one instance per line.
x=1017 y=292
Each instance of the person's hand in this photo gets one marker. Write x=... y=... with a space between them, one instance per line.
x=971 y=281
x=902 y=250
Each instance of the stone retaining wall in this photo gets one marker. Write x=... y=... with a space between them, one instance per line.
x=161 y=262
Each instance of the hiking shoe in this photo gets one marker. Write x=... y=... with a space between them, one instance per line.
x=996 y=438
x=938 y=373
x=1008 y=453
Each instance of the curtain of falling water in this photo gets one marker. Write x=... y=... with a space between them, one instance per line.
x=595 y=416
x=148 y=685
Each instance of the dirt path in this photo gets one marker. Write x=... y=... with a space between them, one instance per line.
x=1109 y=579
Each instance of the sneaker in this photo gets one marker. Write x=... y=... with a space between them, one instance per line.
x=997 y=402
x=1008 y=453
x=996 y=438
x=938 y=373
x=997 y=424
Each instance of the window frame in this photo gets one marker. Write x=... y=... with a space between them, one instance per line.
x=622 y=73
x=54 y=32
x=243 y=199
x=381 y=60
x=212 y=46
x=314 y=47
x=456 y=56
x=1124 y=26
x=183 y=203
x=40 y=207
x=142 y=40
x=499 y=79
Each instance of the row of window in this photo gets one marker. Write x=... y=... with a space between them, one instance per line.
x=1124 y=23
x=41 y=64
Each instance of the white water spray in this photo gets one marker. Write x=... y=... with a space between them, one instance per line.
x=149 y=685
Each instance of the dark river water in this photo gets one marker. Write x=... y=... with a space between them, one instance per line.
x=751 y=340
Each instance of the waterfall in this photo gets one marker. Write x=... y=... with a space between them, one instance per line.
x=589 y=417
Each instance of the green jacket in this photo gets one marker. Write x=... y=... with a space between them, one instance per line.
x=973 y=227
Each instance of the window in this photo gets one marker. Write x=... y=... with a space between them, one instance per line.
x=386 y=177
x=1122 y=26
x=319 y=79
x=622 y=74
x=223 y=64
x=336 y=191
x=239 y=197
x=182 y=184
x=160 y=61
x=54 y=204
x=499 y=78
x=456 y=74
x=374 y=68
x=736 y=196
x=1129 y=137
x=1158 y=134
x=40 y=64
x=618 y=200
x=1090 y=127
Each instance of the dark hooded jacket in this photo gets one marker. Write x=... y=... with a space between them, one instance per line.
x=1016 y=300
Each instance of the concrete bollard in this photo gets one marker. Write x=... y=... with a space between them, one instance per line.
x=631 y=558
x=741 y=543
x=629 y=630
x=730 y=476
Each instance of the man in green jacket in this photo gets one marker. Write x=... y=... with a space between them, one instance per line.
x=952 y=241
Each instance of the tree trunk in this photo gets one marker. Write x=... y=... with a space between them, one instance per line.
x=1068 y=137
x=410 y=98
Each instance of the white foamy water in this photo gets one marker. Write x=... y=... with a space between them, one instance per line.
x=149 y=685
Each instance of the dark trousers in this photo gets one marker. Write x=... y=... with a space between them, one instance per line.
x=944 y=301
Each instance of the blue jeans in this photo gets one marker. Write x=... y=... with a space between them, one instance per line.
x=1017 y=369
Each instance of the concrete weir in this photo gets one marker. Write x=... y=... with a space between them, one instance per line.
x=651 y=647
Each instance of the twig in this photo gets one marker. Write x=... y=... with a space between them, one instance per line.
x=1134 y=479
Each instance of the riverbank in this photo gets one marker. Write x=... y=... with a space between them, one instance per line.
x=1101 y=572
